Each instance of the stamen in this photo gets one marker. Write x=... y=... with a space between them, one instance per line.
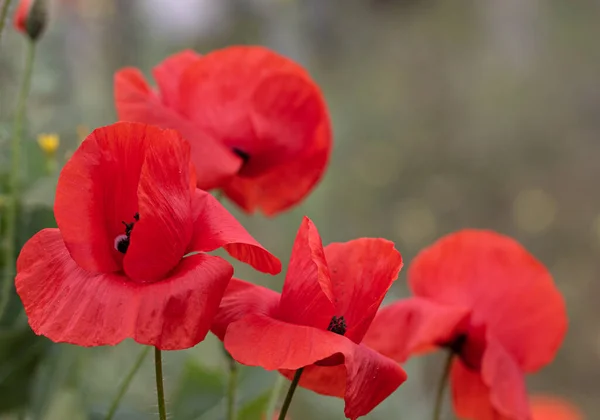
x=337 y=325
x=122 y=241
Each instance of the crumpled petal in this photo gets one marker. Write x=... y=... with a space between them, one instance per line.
x=163 y=233
x=68 y=304
x=413 y=326
x=242 y=298
x=307 y=297
x=362 y=272
x=214 y=227
x=258 y=340
x=135 y=101
x=509 y=291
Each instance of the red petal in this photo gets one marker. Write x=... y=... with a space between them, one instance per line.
x=307 y=297
x=362 y=272
x=266 y=106
x=506 y=382
x=508 y=290
x=97 y=191
x=135 y=101
x=168 y=75
x=258 y=340
x=215 y=227
x=553 y=408
x=160 y=238
x=243 y=298
x=471 y=397
x=68 y=304
x=21 y=14
x=413 y=326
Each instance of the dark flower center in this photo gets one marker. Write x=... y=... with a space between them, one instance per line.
x=122 y=241
x=458 y=344
x=337 y=325
x=245 y=156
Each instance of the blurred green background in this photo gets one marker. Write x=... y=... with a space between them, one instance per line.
x=447 y=114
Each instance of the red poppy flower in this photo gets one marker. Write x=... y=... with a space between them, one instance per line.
x=318 y=322
x=553 y=408
x=484 y=297
x=20 y=18
x=128 y=212
x=257 y=123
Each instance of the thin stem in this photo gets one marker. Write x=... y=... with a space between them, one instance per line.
x=439 y=397
x=15 y=158
x=290 y=394
x=126 y=382
x=274 y=397
x=4 y=15
x=231 y=391
x=160 y=390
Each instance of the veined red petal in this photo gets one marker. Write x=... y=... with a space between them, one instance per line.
x=258 y=340
x=307 y=297
x=21 y=14
x=68 y=304
x=266 y=107
x=168 y=75
x=243 y=298
x=97 y=192
x=545 y=407
x=362 y=272
x=164 y=230
x=135 y=101
x=215 y=227
x=507 y=289
x=413 y=326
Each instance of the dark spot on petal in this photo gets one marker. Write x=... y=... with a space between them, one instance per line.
x=122 y=243
x=337 y=325
x=245 y=156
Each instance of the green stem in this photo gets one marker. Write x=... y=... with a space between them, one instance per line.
x=160 y=390
x=15 y=167
x=126 y=382
x=290 y=394
x=4 y=15
x=439 y=397
x=231 y=391
x=274 y=397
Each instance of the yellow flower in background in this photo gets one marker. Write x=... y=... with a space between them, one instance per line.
x=48 y=143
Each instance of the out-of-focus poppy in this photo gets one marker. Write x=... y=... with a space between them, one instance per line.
x=20 y=18
x=486 y=299
x=128 y=258
x=257 y=123
x=318 y=322
x=30 y=18
x=545 y=407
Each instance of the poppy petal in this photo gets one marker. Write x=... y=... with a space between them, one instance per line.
x=21 y=14
x=215 y=227
x=258 y=340
x=506 y=382
x=413 y=326
x=307 y=297
x=243 y=298
x=544 y=407
x=362 y=272
x=135 y=101
x=97 y=193
x=324 y=380
x=164 y=230
x=470 y=396
x=264 y=106
x=168 y=74
x=68 y=304
x=509 y=291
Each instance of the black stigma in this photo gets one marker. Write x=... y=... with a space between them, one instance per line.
x=245 y=156
x=123 y=243
x=337 y=325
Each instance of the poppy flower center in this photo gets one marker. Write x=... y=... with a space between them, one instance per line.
x=468 y=348
x=243 y=155
x=337 y=325
x=122 y=241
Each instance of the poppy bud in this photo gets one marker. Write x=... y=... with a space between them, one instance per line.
x=31 y=18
